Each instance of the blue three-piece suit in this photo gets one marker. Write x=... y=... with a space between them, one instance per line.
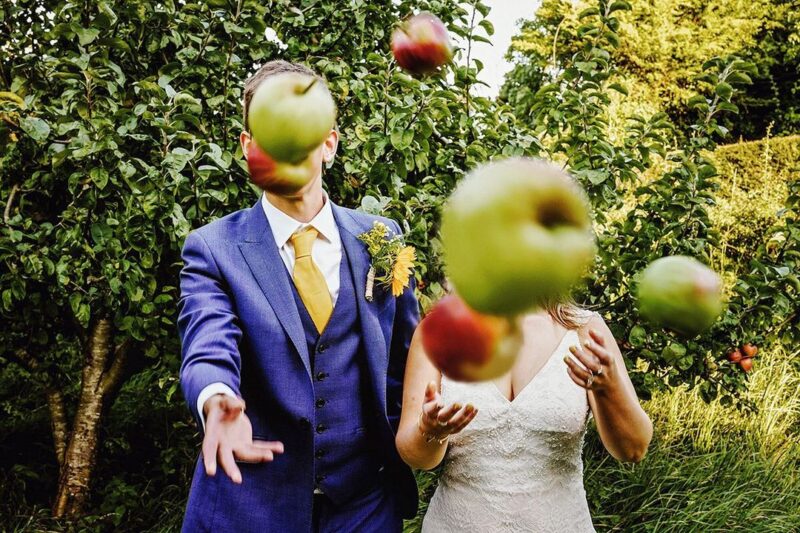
x=333 y=398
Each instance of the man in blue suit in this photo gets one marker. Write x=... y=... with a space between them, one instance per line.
x=298 y=411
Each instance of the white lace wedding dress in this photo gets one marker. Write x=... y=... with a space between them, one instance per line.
x=517 y=467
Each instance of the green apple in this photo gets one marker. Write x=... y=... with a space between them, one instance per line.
x=290 y=115
x=468 y=346
x=516 y=234
x=680 y=293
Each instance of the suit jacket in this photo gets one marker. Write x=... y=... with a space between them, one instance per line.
x=240 y=326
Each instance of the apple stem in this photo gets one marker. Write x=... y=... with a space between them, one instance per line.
x=310 y=85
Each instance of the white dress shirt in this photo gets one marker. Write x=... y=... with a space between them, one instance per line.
x=326 y=253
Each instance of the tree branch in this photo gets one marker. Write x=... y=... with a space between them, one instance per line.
x=112 y=378
x=9 y=203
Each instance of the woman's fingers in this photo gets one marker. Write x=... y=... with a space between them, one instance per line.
x=598 y=350
x=467 y=419
x=458 y=418
x=594 y=334
x=447 y=413
x=577 y=369
x=430 y=392
x=431 y=409
x=588 y=360
x=576 y=379
x=228 y=464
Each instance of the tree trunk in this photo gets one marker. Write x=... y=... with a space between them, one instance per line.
x=98 y=385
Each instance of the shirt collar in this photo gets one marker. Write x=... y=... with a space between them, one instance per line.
x=283 y=226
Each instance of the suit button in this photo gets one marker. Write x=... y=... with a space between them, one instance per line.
x=322 y=347
x=305 y=423
x=321 y=428
x=321 y=402
x=321 y=376
x=319 y=454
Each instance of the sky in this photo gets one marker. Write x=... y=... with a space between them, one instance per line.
x=504 y=15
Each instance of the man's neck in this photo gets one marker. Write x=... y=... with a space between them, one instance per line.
x=302 y=206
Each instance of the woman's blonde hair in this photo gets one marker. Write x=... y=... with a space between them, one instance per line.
x=567 y=313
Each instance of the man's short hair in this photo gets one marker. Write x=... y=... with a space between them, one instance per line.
x=270 y=68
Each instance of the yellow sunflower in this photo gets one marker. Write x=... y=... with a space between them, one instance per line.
x=401 y=270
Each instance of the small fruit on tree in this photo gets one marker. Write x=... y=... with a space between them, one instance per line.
x=734 y=356
x=291 y=114
x=749 y=350
x=279 y=178
x=421 y=44
x=680 y=293
x=516 y=234
x=746 y=364
x=466 y=345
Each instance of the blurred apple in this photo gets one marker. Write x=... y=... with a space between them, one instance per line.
x=734 y=356
x=680 y=293
x=746 y=364
x=421 y=44
x=749 y=350
x=516 y=234
x=290 y=115
x=466 y=345
x=275 y=177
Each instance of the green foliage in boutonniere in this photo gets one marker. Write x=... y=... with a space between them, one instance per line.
x=391 y=259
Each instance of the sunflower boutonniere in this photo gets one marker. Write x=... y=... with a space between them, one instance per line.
x=391 y=260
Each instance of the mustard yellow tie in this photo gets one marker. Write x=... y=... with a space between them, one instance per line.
x=308 y=279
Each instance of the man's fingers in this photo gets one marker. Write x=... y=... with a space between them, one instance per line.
x=253 y=454
x=228 y=464
x=273 y=446
x=210 y=443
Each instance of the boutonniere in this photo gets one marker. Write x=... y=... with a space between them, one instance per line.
x=391 y=260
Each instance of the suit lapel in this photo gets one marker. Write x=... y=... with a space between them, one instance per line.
x=263 y=258
x=372 y=332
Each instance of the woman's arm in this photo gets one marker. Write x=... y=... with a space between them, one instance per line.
x=624 y=427
x=425 y=422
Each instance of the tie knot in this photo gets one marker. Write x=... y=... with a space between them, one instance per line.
x=303 y=240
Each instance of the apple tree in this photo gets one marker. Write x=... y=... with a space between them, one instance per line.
x=119 y=125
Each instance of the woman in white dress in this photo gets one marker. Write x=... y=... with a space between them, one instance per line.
x=512 y=447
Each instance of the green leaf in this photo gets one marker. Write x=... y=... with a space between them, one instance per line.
x=724 y=90
x=619 y=88
x=85 y=35
x=37 y=128
x=637 y=336
x=99 y=177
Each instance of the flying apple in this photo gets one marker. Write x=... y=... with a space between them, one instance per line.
x=290 y=115
x=466 y=345
x=680 y=293
x=421 y=44
x=516 y=234
x=275 y=177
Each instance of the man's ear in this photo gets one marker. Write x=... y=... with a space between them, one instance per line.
x=329 y=148
x=245 y=139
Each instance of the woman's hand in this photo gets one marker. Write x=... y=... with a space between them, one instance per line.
x=599 y=372
x=437 y=421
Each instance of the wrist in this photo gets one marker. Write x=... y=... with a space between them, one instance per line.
x=429 y=434
x=213 y=402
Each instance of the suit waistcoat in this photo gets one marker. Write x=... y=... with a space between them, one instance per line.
x=345 y=451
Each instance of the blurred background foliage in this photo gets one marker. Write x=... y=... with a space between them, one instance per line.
x=118 y=135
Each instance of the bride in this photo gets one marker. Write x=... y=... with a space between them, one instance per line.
x=512 y=447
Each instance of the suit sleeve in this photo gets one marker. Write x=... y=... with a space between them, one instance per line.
x=406 y=319
x=208 y=326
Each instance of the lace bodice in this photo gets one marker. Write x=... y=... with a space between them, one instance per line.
x=517 y=467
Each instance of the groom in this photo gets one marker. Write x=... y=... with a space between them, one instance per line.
x=298 y=390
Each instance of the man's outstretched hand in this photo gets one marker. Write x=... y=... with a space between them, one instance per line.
x=229 y=438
